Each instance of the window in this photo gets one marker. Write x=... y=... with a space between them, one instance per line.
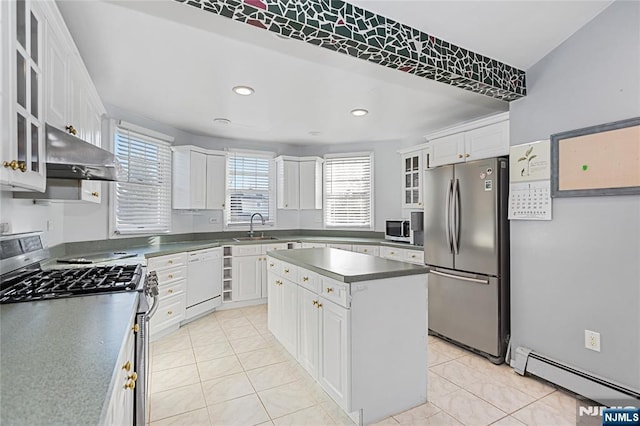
x=348 y=191
x=142 y=201
x=250 y=187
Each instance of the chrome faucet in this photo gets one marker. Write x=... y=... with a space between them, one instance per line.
x=251 y=223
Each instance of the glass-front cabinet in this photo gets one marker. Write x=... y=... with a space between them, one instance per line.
x=22 y=122
x=412 y=180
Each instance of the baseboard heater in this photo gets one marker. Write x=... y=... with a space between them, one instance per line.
x=598 y=389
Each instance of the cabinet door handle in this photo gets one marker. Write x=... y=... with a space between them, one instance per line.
x=71 y=129
x=133 y=376
x=271 y=265
x=459 y=155
x=467 y=155
x=319 y=305
x=127 y=366
x=135 y=328
x=305 y=278
x=286 y=271
x=329 y=289
x=315 y=303
x=170 y=291
x=169 y=312
x=392 y=252
x=131 y=385
x=170 y=262
x=170 y=276
x=95 y=194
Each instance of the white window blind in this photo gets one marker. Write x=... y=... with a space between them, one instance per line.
x=143 y=198
x=250 y=188
x=348 y=191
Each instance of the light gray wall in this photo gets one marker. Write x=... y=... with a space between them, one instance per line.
x=582 y=269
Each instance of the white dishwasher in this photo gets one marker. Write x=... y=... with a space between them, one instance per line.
x=204 y=281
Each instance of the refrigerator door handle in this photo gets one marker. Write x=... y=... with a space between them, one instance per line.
x=458 y=277
x=456 y=217
x=447 y=216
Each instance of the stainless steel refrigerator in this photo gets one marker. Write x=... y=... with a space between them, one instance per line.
x=466 y=243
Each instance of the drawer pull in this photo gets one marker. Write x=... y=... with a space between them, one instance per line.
x=392 y=252
x=319 y=305
x=315 y=303
x=131 y=385
x=286 y=271
x=170 y=262
x=170 y=291
x=169 y=312
x=170 y=276
x=366 y=250
x=133 y=376
x=413 y=256
x=271 y=265
x=329 y=289
x=305 y=278
x=136 y=328
x=127 y=366
x=278 y=282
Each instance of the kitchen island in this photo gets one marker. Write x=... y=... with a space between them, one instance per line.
x=356 y=323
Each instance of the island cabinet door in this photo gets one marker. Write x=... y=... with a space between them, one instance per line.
x=289 y=316
x=308 y=331
x=334 y=372
x=274 y=304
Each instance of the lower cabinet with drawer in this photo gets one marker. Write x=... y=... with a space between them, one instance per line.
x=120 y=405
x=172 y=283
x=355 y=338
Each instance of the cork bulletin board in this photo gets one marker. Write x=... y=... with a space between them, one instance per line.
x=598 y=160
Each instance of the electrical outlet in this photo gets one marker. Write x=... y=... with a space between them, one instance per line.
x=592 y=340
x=213 y=220
x=5 y=228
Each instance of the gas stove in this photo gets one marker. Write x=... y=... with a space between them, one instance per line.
x=25 y=281
x=57 y=283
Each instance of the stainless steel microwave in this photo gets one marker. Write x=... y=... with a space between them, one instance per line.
x=398 y=230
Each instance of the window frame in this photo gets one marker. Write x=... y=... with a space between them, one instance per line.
x=113 y=232
x=268 y=155
x=328 y=158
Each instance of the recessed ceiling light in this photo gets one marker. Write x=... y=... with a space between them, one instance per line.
x=359 y=112
x=222 y=121
x=243 y=90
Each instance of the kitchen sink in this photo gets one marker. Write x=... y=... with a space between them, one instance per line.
x=262 y=238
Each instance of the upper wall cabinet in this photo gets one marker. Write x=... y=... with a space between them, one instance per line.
x=412 y=179
x=299 y=183
x=72 y=102
x=198 y=178
x=22 y=27
x=473 y=141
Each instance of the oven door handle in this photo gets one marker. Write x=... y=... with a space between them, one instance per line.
x=154 y=306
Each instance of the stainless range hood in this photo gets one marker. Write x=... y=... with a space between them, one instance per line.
x=69 y=157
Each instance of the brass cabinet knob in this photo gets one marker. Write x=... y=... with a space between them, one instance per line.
x=133 y=376
x=413 y=256
x=127 y=366
x=169 y=312
x=392 y=252
x=305 y=278
x=71 y=129
x=315 y=303
x=467 y=155
x=136 y=328
x=170 y=276
x=459 y=155
x=329 y=290
x=170 y=291
x=419 y=204
x=16 y=165
x=271 y=265
x=170 y=262
x=286 y=271
x=95 y=194
x=130 y=385
x=319 y=305
x=366 y=250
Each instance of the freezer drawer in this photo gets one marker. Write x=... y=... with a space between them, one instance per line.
x=465 y=308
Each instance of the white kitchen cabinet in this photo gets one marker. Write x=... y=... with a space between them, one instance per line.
x=483 y=139
x=121 y=401
x=310 y=183
x=198 y=178
x=22 y=147
x=72 y=101
x=288 y=180
x=414 y=256
x=172 y=275
x=308 y=331
x=333 y=374
x=247 y=277
x=366 y=249
x=216 y=177
x=299 y=183
x=282 y=307
x=392 y=253
x=412 y=180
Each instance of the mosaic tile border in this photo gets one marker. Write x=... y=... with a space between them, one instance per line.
x=342 y=27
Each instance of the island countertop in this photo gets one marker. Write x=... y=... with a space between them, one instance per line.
x=347 y=266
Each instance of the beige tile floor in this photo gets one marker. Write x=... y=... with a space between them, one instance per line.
x=227 y=369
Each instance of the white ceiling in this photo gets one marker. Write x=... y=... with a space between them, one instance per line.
x=176 y=65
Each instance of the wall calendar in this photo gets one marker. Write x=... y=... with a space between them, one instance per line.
x=530 y=181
